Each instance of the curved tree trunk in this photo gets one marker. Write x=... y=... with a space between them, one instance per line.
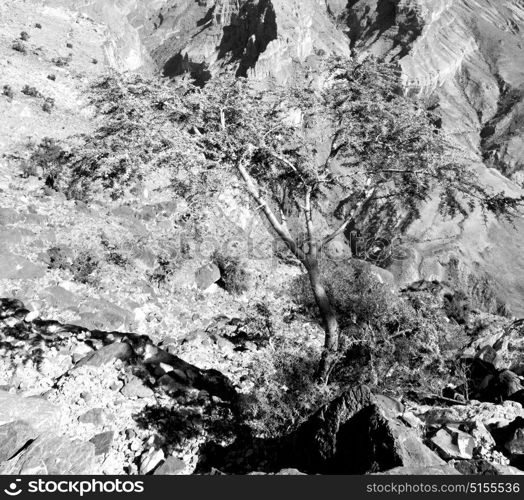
x=329 y=319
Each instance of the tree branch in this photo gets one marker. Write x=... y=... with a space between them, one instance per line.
x=280 y=228
x=351 y=217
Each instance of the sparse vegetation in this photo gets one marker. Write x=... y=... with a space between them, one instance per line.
x=19 y=47
x=94 y=61
x=31 y=91
x=48 y=105
x=51 y=77
x=61 y=61
x=69 y=45
x=7 y=90
x=38 y=26
x=24 y=35
x=234 y=278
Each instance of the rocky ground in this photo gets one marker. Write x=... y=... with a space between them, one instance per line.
x=80 y=394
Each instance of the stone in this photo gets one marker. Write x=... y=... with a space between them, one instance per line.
x=107 y=355
x=16 y=267
x=442 y=470
x=94 y=416
x=207 y=275
x=482 y=467
x=102 y=442
x=515 y=442
x=53 y=455
x=171 y=467
x=135 y=388
x=37 y=412
x=150 y=460
x=13 y=436
x=453 y=443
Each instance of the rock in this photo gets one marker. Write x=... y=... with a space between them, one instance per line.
x=207 y=275
x=57 y=296
x=443 y=470
x=135 y=388
x=508 y=384
x=357 y=421
x=484 y=468
x=515 y=442
x=150 y=460
x=53 y=455
x=102 y=442
x=16 y=267
x=13 y=436
x=453 y=443
x=95 y=416
x=9 y=216
x=171 y=467
x=107 y=354
x=37 y=412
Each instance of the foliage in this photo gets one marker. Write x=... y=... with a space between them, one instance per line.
x=62 y=61
x=38 y=26
x=24 y=35
x=51 y=77
x=48 y=105
x=31 y=91
x=234 y=277
x=7 y=90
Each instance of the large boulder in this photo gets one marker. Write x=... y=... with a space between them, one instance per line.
x=37 y=412
x=53 y=455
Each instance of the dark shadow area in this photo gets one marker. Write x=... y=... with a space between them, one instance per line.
x=248 y=35
x=181 y=64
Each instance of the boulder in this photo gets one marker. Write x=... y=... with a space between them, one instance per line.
x=359 y=433
x=171 y=467
x=53 y=455
x=150 y=459
x=107 y=354
x=135 y=388
x=207 y=275
x=37 y=412
x=13 y=437
x=442 y=470
x=453 y=443
x=102 y=442
x=16 y=267
x=94 y=416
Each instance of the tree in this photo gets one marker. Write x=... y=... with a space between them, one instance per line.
x=378 y=150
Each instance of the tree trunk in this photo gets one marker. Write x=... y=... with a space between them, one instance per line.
x=329 y=319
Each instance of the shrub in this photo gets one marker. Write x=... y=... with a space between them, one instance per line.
x=24 y=35
x=61 y=61
x=19 y=47
x=94 y=61
x=234 y=278
x=8 y=91
x=69 y=45
x=38 y=26
x=51 y=77
x=59 y=258
x=84 y=267
x=31 y=91
x=48 y=105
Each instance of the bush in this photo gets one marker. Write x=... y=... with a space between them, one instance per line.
x=61 y=61
x=19 y=47
x=51 y=77
x=8 y=91
x=31 y=91
x=38 y=26
x=84 y=267
x=24 y=36
x=94 y=61
x=48 y=105
x=69 y=45
x=234 y=278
